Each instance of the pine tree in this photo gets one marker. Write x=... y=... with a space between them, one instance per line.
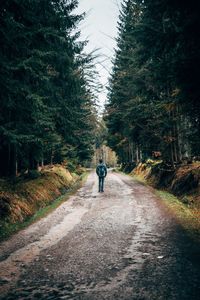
x=44 y=97
x=147 y=109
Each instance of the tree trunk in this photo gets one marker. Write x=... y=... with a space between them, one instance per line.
x=15 y=162
x=178 y=126
x=51 y=162
x=172 y=154
x=137 y=154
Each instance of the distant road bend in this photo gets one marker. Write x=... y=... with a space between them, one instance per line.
x=120 y=244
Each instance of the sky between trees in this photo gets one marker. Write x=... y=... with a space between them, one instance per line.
x=100 y=28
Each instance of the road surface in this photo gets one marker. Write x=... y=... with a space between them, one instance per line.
x=120 y=244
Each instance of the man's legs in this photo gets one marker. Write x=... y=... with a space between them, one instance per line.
x=102 y=184
x=99 y=184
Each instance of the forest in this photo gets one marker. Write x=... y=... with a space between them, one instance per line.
x=49 y=85
x=153 y=104
x=48 y=89
x=69 y=111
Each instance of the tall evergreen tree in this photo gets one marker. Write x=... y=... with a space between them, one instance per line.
x=43 y=91
x=147 y=104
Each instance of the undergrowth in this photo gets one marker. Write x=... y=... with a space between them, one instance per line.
x=8 y=228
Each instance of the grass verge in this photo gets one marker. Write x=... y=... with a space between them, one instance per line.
x=8 y=229
x=186 y=216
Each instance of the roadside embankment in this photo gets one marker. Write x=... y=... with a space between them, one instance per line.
x=22 y=199
x=178 y=188
x=182 y=181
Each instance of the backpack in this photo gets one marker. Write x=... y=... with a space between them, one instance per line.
x=101 y=171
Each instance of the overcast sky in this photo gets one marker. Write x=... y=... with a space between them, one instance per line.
x=100 y=28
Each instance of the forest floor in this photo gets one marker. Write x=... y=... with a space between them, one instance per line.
x=124 y=243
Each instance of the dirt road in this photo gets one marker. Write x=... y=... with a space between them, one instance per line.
x=120 y=244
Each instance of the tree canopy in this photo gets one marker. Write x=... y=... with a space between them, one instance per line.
x=47 y=110
x=154 y=86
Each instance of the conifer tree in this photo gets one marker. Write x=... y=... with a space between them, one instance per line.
x=148 y=110
x=44 y=97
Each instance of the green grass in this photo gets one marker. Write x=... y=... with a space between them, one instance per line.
x=139 y=179
x=7 y=229
x=187 y=217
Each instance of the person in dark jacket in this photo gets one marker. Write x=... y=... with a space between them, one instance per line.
x=101 y=171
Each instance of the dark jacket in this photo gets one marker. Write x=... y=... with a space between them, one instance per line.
x=98 y=170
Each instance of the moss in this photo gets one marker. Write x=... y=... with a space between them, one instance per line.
x=29 y=209
x=24 y=198
x=140 y=178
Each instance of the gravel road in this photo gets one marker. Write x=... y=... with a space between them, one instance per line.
x=120 y=244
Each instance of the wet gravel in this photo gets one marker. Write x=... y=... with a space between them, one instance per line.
x=120 y=244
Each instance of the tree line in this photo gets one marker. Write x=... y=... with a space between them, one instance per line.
x=47 y=111
x=153 y=97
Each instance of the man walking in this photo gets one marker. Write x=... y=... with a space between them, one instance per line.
x=101 y=171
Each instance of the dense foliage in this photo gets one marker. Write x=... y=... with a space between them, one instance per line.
x=154 y=86
x=47 y=109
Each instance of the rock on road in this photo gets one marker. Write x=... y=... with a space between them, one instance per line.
x=120 y=244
